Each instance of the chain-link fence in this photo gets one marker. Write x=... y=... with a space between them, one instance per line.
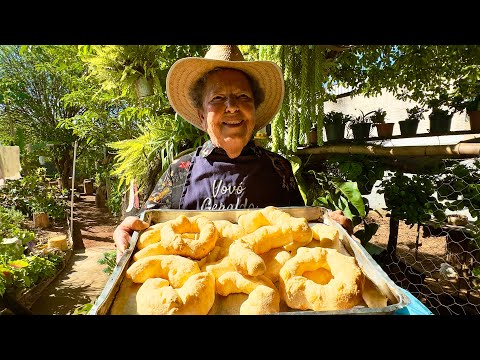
x=442 y=269
x=423 y=227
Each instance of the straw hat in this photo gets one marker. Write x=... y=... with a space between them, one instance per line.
x=185 y=72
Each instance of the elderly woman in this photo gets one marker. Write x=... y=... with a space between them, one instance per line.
x=230 y=99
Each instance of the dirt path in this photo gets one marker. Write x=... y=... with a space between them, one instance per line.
x=83 y=279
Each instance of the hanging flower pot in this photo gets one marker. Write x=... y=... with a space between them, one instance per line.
x=143 y=88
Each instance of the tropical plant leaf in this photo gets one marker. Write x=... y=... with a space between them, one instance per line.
x=350 y=190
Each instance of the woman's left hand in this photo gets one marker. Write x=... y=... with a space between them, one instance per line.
x=346 y=223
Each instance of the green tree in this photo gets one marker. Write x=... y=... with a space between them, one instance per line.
x=33 y=81
x=411 y=72
x=59 y=94
x=156 y=135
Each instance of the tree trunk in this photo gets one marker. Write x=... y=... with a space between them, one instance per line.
x=88 y=187
x=152 y=178
x=64 y=165
x=393 y=237
x=67 y=172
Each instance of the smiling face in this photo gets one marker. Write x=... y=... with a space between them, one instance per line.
x=228 y=110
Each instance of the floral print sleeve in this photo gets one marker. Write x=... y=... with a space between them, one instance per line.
x=167 y=191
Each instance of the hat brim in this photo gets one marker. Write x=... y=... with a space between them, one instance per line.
x=185 y=72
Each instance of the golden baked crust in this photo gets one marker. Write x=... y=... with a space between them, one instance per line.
x=149 y=236
x=252 y=220
x=220 y=267
x=263 y=296
x=246 y=261
x=175 y=268
x=274 y=260
x=228 y=232
x=343 y=291
x=195 y=297
x=327 y=235
x=281 y=229
x=191 y=237
x=228 y=305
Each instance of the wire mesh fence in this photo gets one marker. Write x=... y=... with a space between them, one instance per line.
x=441 y=267
x=427 y=225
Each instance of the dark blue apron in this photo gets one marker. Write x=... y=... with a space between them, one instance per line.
x=220 y=183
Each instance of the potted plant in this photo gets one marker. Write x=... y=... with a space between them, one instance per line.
x=473 y=111
x=467 y=98
x=312 y=137
x=440 y=118
x=409 y=126
x=39 y=213
x=472 y=107
x=361 y=126
x=334 y=123
x=384 y=129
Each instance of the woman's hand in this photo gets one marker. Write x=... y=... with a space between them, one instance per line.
x=123 y=233
x=346 y=223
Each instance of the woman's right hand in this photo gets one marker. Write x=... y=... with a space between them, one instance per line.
x=123 y=233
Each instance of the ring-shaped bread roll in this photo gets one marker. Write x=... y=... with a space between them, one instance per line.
x=342 y=291
x=282 y=229
x=195 y=297
x=263 y=297
x=192 y=237
x=149 y=236
x=175 y=268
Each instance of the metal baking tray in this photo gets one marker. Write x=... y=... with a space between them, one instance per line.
x=119 y=291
